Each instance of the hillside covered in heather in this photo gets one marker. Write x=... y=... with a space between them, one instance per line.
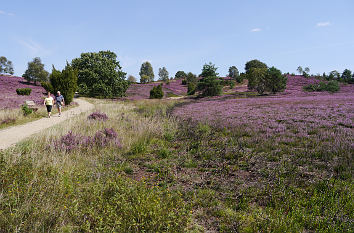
x=9 y=97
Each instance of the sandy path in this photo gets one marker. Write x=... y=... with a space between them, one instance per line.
x=13 y=135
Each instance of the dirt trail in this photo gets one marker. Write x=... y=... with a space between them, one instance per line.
x=13 y=135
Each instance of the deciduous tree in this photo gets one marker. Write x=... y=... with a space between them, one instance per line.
x=6 y=66
x=146 y=69
x=163 y=74
x=36 y=72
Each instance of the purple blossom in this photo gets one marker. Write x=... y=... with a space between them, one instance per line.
x=98 y=116
x=9 y=97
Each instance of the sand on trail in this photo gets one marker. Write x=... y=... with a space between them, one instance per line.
x=15 y=134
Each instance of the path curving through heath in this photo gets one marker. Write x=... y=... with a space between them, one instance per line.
x=13 y=135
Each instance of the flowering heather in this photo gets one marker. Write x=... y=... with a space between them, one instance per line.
x=72 y=141
x=176 y=87
x=101 y=116
x=9 y=97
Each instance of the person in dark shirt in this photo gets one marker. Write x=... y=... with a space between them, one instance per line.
x=59 y=101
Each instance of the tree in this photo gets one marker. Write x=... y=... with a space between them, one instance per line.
x=210 y=86
x=163 y=74
x=257 y=79
x=233 y=72
x=146 y=69
x=307 y=70
x=300 y=70
x=254 y=64
x=262 y=79
x=209 y=70
x=35 y=71
x=334 y=75
x=180 y=74
x=191 y=78
x=144 y=79
x=64 y=81
x=346 y=75
x=100 y=74
x=6 y=66
x=275 y=80
x=131 y=79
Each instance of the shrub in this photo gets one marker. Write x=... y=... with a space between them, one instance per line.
x=232 y=84
x=23 y=91
x=26 y=110
x=101 y=116
x=184 y=82
x=156 y=92
x=64 y=81
x=331 y=86
x=47 y=86
x=191 y=88
x=210 y=86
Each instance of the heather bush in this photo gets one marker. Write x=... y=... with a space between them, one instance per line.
x=101 y=116
x=156 y=92
x=23 y=91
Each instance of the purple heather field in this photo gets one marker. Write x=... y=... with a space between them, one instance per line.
x=9 y=97
x=285 y=117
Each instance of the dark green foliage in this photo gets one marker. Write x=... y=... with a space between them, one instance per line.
x=257 y=79
x=35 y=71
x=209 y=70
x=210 y=86
x=6 y=66
x=241 y=77
x=184 y=82
x=232 y=84
x=47 y=86
x=65 y=82
x=180 y=74
x=26 y=110
x=23 y=91
x=331 y=86
x=263 y=79
x=100 y=74
x=146 y=69
x=275 y=80
x=254 y=64
x=191 y=78
x=163 y=74
x=233 y=72
x=191 y=88
x=347 y=76
x=156 y=92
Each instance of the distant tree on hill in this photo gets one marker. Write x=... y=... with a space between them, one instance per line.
x=233 y=72
x=163 y=74
x=257 y=79
x=307 y=69
x=275 y=80
x=191 y=78
x=300 y=70
x=146 y=69
x=64 y=81
x=180 y=74
x=209 y=70
x=100 y=74
x=132 y=79
x=6 y=66
x=346 y=75
x=35 y=71
x=254 y=64
x=334 y=75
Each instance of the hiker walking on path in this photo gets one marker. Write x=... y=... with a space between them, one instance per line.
x=48 y=102
x=59 y=101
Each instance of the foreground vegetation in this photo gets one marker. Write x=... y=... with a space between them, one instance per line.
x=165 y=174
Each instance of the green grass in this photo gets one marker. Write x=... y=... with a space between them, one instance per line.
x=172 y=176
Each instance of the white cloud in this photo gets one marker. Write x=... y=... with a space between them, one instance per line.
x=256 y=30
x=6 y=13
x=34 y=48
x=323 y=24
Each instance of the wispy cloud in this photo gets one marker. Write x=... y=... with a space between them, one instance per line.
x=323 y=24
x=34 y=48
x=256 y=30
x=6 y=13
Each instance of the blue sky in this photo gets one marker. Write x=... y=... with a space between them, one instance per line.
x=181 y=34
